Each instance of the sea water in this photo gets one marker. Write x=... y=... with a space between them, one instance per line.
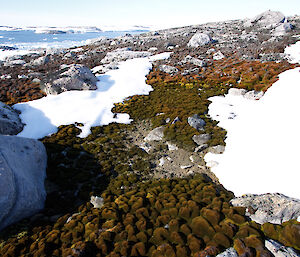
x=23 y=41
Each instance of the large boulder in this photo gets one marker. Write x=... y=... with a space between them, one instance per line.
x=123 y=54
x=266 y=20
x=156 y=134
x=76 y=77
x=194 y=61
x=273 y=208
x=199 y=39
x=23 y=164
x=10 y=123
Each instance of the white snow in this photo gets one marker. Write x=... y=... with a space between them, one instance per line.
x=262 y=145
x=293 y=53
x=92 y=108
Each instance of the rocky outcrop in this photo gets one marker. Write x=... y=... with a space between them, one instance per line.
x=194 y=61
x=273 y=208
x=156 y=134
x=23 y=170
x=40 y=61
x=10 y=123
x=267 y=20
x=123 y=54
x=201 y=139
x=196 y=122
x=279 y=250
x=168 y=69
x=199 y=39
x=77 y=77
x=230 y=252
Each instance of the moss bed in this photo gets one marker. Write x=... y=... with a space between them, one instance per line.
x=141 y=216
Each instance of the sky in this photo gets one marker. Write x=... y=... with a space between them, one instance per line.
x=159 y=13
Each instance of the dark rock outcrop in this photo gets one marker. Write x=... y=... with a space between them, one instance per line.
x=10 y=123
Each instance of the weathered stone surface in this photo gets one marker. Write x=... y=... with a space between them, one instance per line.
x=230 y=252
x=218 y=149
x=40 y=61
x=199 y=39
x=156 y=134
x=282 y=29
x=201 y=139
x=195 y=61
x=123 y=54
x=279 y=250
x=273 y=208
x=77 y=77
x=267 y=20
x=254 y=95
x=196 y=122
x=14 y=62
x=237 y=91
x=218 y=56
x=168 y=69
x=23 y=164
x=10 y=123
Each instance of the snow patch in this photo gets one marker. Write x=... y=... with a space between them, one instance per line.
x=293 y=53
x=92 y=108
x=262 y=145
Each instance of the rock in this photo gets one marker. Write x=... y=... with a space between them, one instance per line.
x=14 y=63
x=146 y=147
x=77 y=77
x=279 y=250
x=266 y=20
x=200 y=148
x=55 y=51
x=172 y=147
x=230 y=252
x=237 y=91
x=199 y=39
x=282 y=29
x=97 y=202
x=177 y=119
x=156 y=134
x=23 y=164
x=123 y=54
x=218 y=149
x=10 y=123
x=218 y=56
x=70 y=55
x=40 y=61
x=153 y=49
x=273 y=208
x=168 y=69
x=184 y=167
x=196 y=122
x=194 y=61
x=254 y=95
x=161 y=161
x=201 y=139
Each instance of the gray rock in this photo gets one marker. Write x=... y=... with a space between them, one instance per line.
x=237 y=91
x=218 y=149
x=194 y=61
x=40 y=61
x=218 y=56
x=70 y=55
x=230 y=252
x=97 y=202
x=266 y=20
x=10 y=123
x=201 y=139
x=23 y=164
x=200 y=148
x=55 y=51
x=196 y=122
x=254 y=95
x=282 y=29
x=279 y=250
x=199 y=39
x=77 y=77
x=14 y=62
x=156 y=134
x=123 y=54
x=273 y=208
x=168 y=69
